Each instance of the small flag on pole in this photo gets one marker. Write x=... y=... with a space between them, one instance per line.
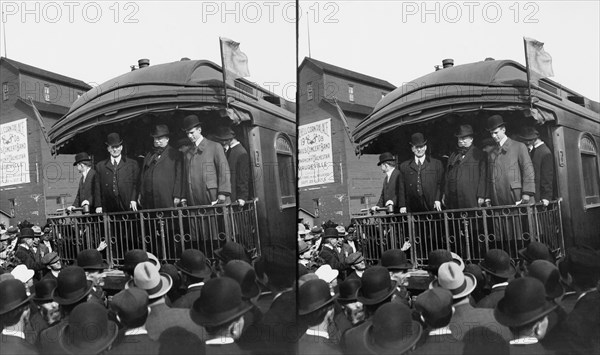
x=539 y=62
x=234 y=60
x=344 y=119
x=40 y=120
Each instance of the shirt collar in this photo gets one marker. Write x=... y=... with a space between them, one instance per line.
x=318 y=333
x=220 y=341
x=440 y=331
x=389 y=173
x=233 y=143
x=538 y=144
x=524 y=341
x=500 y=285
x=421 y=159
x=196 y=284
x=15 y=333
x=199 y=140
x=137 y=331
x=503 y=140
x=85 y=172
x=117 y=159
x=584 y=293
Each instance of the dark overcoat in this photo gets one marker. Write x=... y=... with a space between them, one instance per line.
x=127 y=172
x=543 y=166
x=206 y=173
x=161 y=176
x=432 y=174
x=465 y=178
x=89 y=190
x=239 y=167
x=391 y=190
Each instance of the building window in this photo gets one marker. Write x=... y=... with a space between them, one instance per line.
x=4 y=91
x=589 y=170
x=351 y=93
x=286 y=171
x=46 y=92
x=316 y=207
x=309 y=91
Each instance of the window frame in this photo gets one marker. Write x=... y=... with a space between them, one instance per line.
x=582 y=151
x=309 y=91
x=4 y=91
x=350 y=92
x=285 y=205
x=47 y=92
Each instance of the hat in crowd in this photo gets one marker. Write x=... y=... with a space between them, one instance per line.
x=26 y=233
x=436 y=258
x=313 y=295
x=354 y=258
x=91 y=259
x=384 y=157
x=12 y=231
x=418 y=140
x=302 y=270
x=349 y=290
x=4 y=236
x=223 y=133
x=232 y=251
x=6 y=276
x=494 y=122
x=37 y=231
x=71 y=286
x=160 y=130
x=190 y=121
x=22 y=273
x=220 y=302
x=113 y=139
x=464 y=130
x=395 y=259
x=12 y=295
x=392 y=330
x=458 y=260
x=475 y=270
x=79 y=157
x=435 y=305
x=244 y=274
x=489 y=141
x=193 y=262
x=528 y=133
x=88 y=330
x=536 y=251
x=582 y=260
x=376 y=286
x=147 y=277
x=331 y=233
x=303 y=247
x=497 y=262
x=307 y=277
x=341 y=231
x=153 y=259
x=302 y=229
x=524 y=302
x=279 y=264
x=316 y=230
x=451 y=278
x=132 y=258
x=43 y=290
x=172 y=271
x=548 y=274
x=50 y=258
x=131 y=305
x=326 y=273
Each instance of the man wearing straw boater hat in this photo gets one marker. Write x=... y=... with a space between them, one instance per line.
x=391 y=183
x=88 y=192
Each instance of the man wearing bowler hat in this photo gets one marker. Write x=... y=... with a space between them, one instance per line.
x=422 y=176
x=239 y=163
x=498 y=269
x=543 y=164
x=466 y=173
x=391 y=183
x=330 y=254
x=24 y=251
x=118 y=178
x=206 y=170
x=195 y=269
x=14 y=311
x=88 y=192
x=160 y=183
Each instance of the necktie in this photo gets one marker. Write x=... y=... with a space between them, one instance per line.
x=115 y=188
x=419 y=184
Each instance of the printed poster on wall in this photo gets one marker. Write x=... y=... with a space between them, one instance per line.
x=315 y=154
x=14 y=168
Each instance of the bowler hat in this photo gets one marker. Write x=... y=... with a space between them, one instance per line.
x=418 y=140
x=434 y=305
x=392 y=330
x=160 y=130
x=354 y=258
x=376 y=286
x=528 y=133
x=88 y=330
x=12 y=295
x=497 y=262
x=582 y=260
x=536 y=251
x=232 y=251
x=147 y=277
x=79 y=157
x=451 y=278
x=50 y=258
x=132 y=258
x=131 y=305
x=190 y=121
x=222 y=133
x=395 y=259
x=6 y=276
x=489 y=141
x=436 y=258
x=26 y=233
x=306 y=277
x=549 y=275
x=43 y=290
x=91 y=259
x=524 y=302
x=326 y=273
x=220 y=302
x=313 y=295
x=349 y=290
x=113 y=139
x=71 y=286
x=331 y=233
x=22 y=273
x=464 y=130
x=494 y=122
x=387 y=156
x=244 y=274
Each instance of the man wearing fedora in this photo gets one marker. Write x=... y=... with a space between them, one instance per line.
x=118 y=178
x=160 y=183
x=465 y=173
x=543 y=164
x=88 y=192
x=206 y=170
x=44 y=311
x=421 y=188
x=391 y=183
x=14 y=311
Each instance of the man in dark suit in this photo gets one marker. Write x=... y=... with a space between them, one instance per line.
x=24 y=252
x=498 y=271
x=239 y=163
x=195 y=269
x=160 y=183
x=422 y=179
x=14 y=311
x=330 y=253
x=88 y=193
x=315 y=309
x=118 y=178
x=391 y=183
x=543 y=164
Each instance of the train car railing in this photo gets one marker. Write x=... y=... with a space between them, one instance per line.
x=162 y=232
x=468 y=232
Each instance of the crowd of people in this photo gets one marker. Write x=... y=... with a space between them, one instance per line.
x=545 y=304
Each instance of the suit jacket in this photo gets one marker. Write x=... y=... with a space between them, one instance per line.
x=206 y=173
x=48 y=338
x=333 y=258
x=442 y=344
x=127 y=183
x=225 y=349
x=12 y=345
x=582 y=326
x=352 y=339
x=161 y=178
x=134 y=344
x=239 y=167
x=312 y=344
x=391 y=190
x=27 y=257
x=162 y=317
x=465 y=178
x=89 y=190
x=466 y=317
x=491 y=300
x=543 y=165
x=186 y=301
x=432 y=173
x=510 y=174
